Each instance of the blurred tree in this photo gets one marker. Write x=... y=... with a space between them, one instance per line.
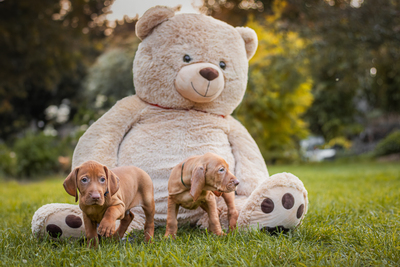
x=44 y=49
x=355 y=53
x=110 y=78
x=278 y=93
x=353 y=48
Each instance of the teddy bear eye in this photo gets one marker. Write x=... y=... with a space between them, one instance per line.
x=222 y=65
x=186 y=58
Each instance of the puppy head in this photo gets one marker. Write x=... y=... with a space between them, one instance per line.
x=212 y=174
x=94 y=182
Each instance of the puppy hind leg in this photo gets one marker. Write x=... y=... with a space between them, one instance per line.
x=149 y=224
x=149 y=211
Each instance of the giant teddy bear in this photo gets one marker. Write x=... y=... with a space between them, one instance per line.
x=190 y=73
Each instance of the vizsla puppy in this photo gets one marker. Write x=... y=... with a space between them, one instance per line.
x=107 y=195
x=195 y=182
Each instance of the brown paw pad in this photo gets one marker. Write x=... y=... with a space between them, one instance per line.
x=53 y=230
x=288 y=201
x=267 y=206
x=73 y=221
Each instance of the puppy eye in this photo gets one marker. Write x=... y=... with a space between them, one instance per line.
x=221 y=170
x=222 y=65
x=186 y=58
x=102 y=180
x=84 y=180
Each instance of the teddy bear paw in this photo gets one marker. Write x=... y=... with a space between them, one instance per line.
x=278 y=204
x=58 y=221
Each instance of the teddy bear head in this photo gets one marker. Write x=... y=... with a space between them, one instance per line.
x=191 y=61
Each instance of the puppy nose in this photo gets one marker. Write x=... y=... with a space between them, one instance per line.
x=95 y=196
x=235 y=182
x=209 y=73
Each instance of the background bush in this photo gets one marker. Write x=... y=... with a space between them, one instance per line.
x=278 y=94
x=37 y=154
x=7 y=161
x=389 y=145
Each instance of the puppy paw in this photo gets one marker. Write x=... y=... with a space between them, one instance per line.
x=169 y=235
x=221 y=233
x=106 y=228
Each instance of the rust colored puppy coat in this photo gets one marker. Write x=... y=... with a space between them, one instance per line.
x=108 y=195
x=195 y=182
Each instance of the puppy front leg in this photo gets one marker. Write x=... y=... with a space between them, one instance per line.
x=123 y=226
x=210 y=206
x=233 y=214
x=107 y=224
x=172 y=222
x=90 y=232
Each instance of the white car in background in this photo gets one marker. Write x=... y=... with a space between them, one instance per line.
x=311 y=152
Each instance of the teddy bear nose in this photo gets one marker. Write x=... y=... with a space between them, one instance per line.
x=209 y=73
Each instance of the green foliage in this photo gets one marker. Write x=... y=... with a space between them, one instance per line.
x=45 y=47
x=339 y=142
x=389 y=145
x=353 y=49
x=278 y=93
x=37 y=154
x=353 y=220
x=110 y=78
x=7 y=161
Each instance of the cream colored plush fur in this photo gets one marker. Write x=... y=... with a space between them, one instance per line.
x=158 y=127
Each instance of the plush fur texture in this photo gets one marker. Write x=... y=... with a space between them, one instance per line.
x=204 y=39
x=42 y=218
x=57 y=214
x=158 y=127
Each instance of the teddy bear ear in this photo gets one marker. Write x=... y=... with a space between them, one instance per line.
x=153 y=17
x=250 y=40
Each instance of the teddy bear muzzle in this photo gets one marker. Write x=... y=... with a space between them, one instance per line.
x=200 y=82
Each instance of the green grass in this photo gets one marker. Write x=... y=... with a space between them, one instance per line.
x=353 y=220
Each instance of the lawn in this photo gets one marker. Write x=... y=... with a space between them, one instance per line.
x=353 y=220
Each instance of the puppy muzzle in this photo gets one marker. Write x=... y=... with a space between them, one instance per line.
x=232 y=185
x=94 y=198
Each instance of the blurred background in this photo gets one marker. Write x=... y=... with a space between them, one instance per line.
x=323 y=85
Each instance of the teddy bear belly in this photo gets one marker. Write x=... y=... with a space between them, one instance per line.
x=161 y=140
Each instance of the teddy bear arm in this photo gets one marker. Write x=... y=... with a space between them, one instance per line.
x=102 y=139
x=250 y=167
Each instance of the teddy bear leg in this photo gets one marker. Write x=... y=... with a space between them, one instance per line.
x=278 y=204
x=63 y=221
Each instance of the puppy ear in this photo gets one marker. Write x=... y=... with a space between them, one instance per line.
x=113 y=181
x=198 y=182
x=70 y=183
x=152 y=18
x=250 y=40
